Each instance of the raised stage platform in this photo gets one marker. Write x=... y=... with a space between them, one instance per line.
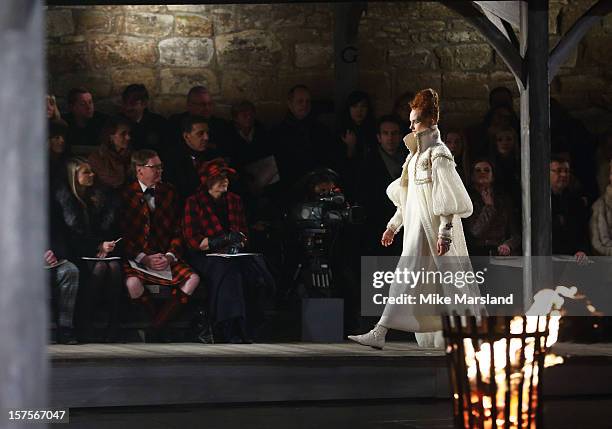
x=102 y=375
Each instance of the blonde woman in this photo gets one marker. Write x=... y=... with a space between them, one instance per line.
x=89 y=215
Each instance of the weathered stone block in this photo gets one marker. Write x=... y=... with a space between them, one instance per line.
x=186 y=52
x=465 y=85
x=553 y=17
x=413 y=58
x=321 y=83
x=597 y=50
x=463 y=36
x=92 y=22
x=121 y=51
x=607 y=24
x=465 y=57
x=59 y=22
x=168 y=105
x=378 y=84
x=582 y=83
x=67 y=58
x=99 y=84
x=322 y=20
x=474 y=107
x=273 y=16
x=180 y=81
x=144 y=8
x=371 y=54
x=149 y=24
x=426 y=37
x=415 y=81
x=202 y=9
x=224 y=20
x=240 y=84
x=124 y=77
x=251 y=47
x=193 y=26
x=66 y=40
x=392 y=10
x=435 y=10
x=420 y=25
x=313 y=55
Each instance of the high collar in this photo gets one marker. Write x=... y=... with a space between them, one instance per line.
x=418 y=142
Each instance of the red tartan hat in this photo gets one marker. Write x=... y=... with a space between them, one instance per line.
x=214 y=168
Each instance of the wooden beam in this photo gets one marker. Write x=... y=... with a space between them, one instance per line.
x=506 y=10
x=23 y=212
x=539 y=136
x=572 y=38
x=500 y=43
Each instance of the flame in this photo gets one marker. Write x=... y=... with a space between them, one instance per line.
x=522 y=355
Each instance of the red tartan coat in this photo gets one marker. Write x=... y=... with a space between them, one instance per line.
x=200 y=220
x=143 y=231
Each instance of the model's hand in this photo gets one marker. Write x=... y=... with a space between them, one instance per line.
x=387 y=237
x=442 y=246
x=504 y=250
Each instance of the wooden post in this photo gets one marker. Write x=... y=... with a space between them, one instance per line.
x=539 y=147
x=23 y=212
x=346 y=54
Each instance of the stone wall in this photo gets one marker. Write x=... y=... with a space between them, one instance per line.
x=260 y=51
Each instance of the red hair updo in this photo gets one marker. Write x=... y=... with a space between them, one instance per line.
x=428 y=103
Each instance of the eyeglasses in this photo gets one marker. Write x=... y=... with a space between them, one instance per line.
x=157 y=167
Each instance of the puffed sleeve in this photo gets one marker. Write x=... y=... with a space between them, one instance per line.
x=393 y=192
x=448 y=194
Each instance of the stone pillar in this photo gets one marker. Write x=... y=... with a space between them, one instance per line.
x=23 y=209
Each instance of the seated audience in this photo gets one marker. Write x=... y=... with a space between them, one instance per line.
x=152 y=238
x=505 y=155
x=200 y=103
x=111 y=160
x=301 y=143
x=89 y=214
x=64 y=277
x=182 y=164
x=248 y=140
x=53 y=113
x=604 y=156
x=601 y=221
x=456 y=142
x=401 y=109
x=84 y=122
x=383 y=166
x=494 y=226
x=214 y=222
x=569 y=213
x=356 y=137
x=57 y=153
x=498 y=117
x=148 y=129
x=571 y=139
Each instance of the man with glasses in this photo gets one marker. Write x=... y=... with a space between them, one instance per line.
x=152 y=238
x=569 y=212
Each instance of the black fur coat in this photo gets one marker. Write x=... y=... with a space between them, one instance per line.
x=87 y=226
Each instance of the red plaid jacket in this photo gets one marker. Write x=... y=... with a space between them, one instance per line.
x=200 y=220
x=147 y=232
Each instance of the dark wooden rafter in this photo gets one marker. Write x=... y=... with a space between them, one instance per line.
x=572 y=38
x=491 y=33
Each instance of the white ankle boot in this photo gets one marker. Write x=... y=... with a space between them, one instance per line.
x=375 y=338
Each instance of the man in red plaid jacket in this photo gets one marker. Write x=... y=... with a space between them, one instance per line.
x=151 y=234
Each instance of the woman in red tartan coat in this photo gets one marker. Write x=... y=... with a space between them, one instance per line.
x=151 y=235
x=214 y=222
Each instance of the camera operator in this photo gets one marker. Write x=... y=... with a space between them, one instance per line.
x=322 y=233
